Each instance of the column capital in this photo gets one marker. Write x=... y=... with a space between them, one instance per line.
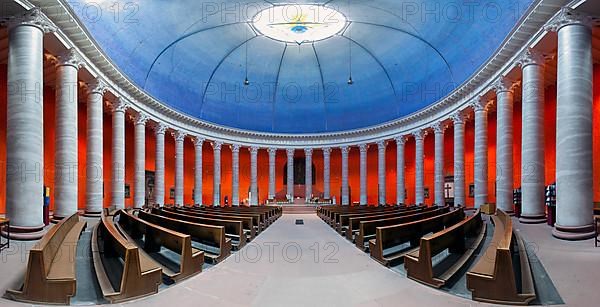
x=567 y=16
x=290 y=152
x=253 y=150
x=235 y=148
x=97 y=86
x=381 y=144
x=198 y=141
x=69 y=57
x=503 y=84
x=178 y=135
x=531 y=57
x=439 y=127
x=479 y=104
x=160 y=128
x=459 y=118
x=400 y=140
x=326 y=151
x=272 y=151
x=308 y=151
x=140 y=118
x=345 y=150
x=33 y=17
x=121 y=105
x=419 y=135
x=217 y=145
x=363 y=148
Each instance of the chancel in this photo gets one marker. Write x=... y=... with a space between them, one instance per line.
x=299 y=153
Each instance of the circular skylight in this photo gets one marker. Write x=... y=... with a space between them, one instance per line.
x=299 y=23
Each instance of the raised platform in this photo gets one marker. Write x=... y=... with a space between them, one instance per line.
x=299 y=209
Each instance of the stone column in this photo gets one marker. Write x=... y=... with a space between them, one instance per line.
x=139 y=191
x=290 y=172
x=254 y=176
x=363 y=173
x=327 y=173
x=458 y=120
x=308 y=173
x=179 y=181
x=400 y=175
x=345 y=188
x=532 y=147
x=438 y=130
x=419 y=166
x=198 y=142
x=272 y=173
x=118 y=153
x=574 y=180
x=24 y=127
x=481 y=152
x=94 y=174
x=235 y=175
x=504 y=145
x=217 y=173
x=159 y=176
x=66 y=156
x=381 y=145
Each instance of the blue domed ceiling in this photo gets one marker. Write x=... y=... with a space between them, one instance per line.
x=216 y=62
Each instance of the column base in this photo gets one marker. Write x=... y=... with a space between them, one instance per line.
x=25 y=233
x=92 y=213
x=509 y=212
x=55 y=219
x=533 y=219
x=573 y=233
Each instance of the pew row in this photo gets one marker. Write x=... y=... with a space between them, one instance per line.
x=384 y=248
x=354 y=222
x=418 y=264
x=495 y=277
x=211 y=239
x=140 y=275
x=155 y=237
x=258 y=219
x=50 y=276
x=249 y=222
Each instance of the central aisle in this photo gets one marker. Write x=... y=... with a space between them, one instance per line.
x=338 y=275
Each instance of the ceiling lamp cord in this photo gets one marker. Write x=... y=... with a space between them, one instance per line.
x=246 y=81
x=350 y=81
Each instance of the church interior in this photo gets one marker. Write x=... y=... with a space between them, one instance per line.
x=299 y=152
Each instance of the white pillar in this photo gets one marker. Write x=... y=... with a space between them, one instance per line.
x=254 y=176
x=574 y=178
x=308 y=173
x=159 y=176
x=94 y=174
x=381 y=145
x=438 y=130
x=458 y=120
x=235 y=175
x=290 y=172
x=25 y=121
x=532 y=136
x=400 y=174
x=327 y=173
x=272 y=173
x=345 y=187
x=504 y=145
x=66 y=155
x=139 y=191
x=118 y=153
x=419 y=166
x=198 y=142
x=481 y=152
x=217 y=173
x=363 y=173
x=179 y=179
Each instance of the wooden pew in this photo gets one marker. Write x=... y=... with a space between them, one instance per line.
x=368 y=229
x=215 y=244
x=270 y=214
x=50 y=276
x=354 y=222
x=454 y=238
x=259 y=219
x=335 y=216
x=233 y=229
x=249 y=222
x=492 y=279
x=140 y=276
x=343 y=219
x=388 y=237
x=155 y=237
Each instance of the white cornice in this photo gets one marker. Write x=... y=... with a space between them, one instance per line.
x=72 y=34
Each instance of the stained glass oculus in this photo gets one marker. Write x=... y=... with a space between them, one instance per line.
x=299 y=23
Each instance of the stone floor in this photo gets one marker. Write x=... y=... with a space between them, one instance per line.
x=311 y=265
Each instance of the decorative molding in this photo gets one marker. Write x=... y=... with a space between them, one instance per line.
x=178 y=135
x=567 y=16
x=345 y=150
x=70 y=57
x=327 y=151
x=140 y=119
x=363 y=147
x=235 y=148
x=381 y=145
x=400 y=140
x=160 y=128
x=97 y=86
x=419 y=135
x=459 y=118
x=308 y=151
x=504 y=84
x=290 y=152
x=272 y=151
x=198 y=141
x=480 y=104
x=33 y=17
x=253 y=150
x=531 y=57
x=439 y=127
x=121 y=105
x=217 y=145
